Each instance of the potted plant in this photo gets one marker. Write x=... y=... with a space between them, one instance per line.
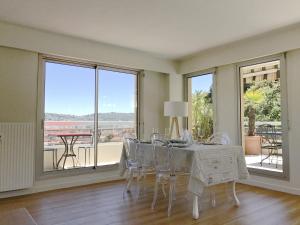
x=252 y=98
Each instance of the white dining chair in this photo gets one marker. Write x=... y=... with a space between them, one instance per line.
x=130 y=145
x=219 y=138
x=164 y=171
x=137 y=165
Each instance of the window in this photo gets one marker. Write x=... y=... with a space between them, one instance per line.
x=263 y=115
x=87 y=110
x=200 y=96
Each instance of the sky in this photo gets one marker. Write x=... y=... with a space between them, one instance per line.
x=202 y=83
x=71 y=90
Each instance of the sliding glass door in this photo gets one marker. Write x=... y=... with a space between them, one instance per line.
x=116 y=113
x=69 y=109
x=87 y=110
x=263 y=110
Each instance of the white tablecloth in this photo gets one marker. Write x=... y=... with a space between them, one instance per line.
x=208 y=164
x=216 y=164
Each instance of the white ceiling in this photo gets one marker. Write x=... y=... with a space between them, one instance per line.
x=169 y=28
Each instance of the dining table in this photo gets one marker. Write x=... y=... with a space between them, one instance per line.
x=207 y=165
x=69 y=140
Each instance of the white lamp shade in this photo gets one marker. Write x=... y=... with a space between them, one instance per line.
x=176 y=109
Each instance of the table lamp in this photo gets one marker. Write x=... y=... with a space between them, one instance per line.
x=175 y=109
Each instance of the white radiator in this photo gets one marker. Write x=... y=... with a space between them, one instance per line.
x=16 y=156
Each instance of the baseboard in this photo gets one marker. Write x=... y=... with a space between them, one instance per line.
x=271 y=186
x=65 y=182
x=86 y=179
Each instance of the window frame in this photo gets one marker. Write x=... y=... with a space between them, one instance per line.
x=39 y=154
x=186 y=77
x=284 y=113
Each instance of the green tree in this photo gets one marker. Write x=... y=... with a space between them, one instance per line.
x=252 y=98
x=269 y=109
x=202 y=114
x=262 y=103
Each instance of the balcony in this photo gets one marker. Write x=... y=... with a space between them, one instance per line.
x=109 y=146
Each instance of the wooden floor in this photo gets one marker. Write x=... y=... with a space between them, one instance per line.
x=103 y=204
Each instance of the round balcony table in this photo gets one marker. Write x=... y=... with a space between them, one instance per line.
x=69 y=139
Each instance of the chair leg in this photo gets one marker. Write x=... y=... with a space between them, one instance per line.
x=56 y=165
x=163 y=188
x=144 y=181
x=155 y=194
x=130 y=178
x=89 y=156
x=141 y=184
x=138 y=186
x=174 y=192
x=171 y=195
x=276 y=158
x=213 y=198
x=73 y=161
x=85 y=156
x=53 y=158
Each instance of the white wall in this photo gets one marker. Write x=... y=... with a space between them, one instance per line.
x=226 y=119
x=67 y=46
x=155 y=92
x=18 y=85
x=176 y=87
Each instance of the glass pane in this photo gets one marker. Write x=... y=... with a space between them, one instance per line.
x=200 y=106
x=69 y=116
x=261 y=115
x=117 y=113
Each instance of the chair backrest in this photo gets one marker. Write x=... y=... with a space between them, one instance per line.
x=268 y=132
x=96 y=138
x=220 y=138
x=155 y=136
x=187 y=136
x=131 y=146
x=163 y=155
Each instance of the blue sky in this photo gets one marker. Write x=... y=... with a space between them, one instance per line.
x=202 y=83
x=71 y=90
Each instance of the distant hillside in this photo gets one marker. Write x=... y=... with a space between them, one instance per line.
x=112 y=116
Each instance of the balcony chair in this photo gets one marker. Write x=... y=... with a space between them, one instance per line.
x=87 y=147
x=53 y=149
x=270 y=140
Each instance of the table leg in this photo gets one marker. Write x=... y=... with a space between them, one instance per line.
x=195 y=207
x=234 y=196
x=65 y=140
x=64 y=154
x=73 y=155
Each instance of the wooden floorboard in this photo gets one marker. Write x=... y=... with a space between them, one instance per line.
x=103 y=204
x=16 y=217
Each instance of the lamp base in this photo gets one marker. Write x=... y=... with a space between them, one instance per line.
x=174 y=122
